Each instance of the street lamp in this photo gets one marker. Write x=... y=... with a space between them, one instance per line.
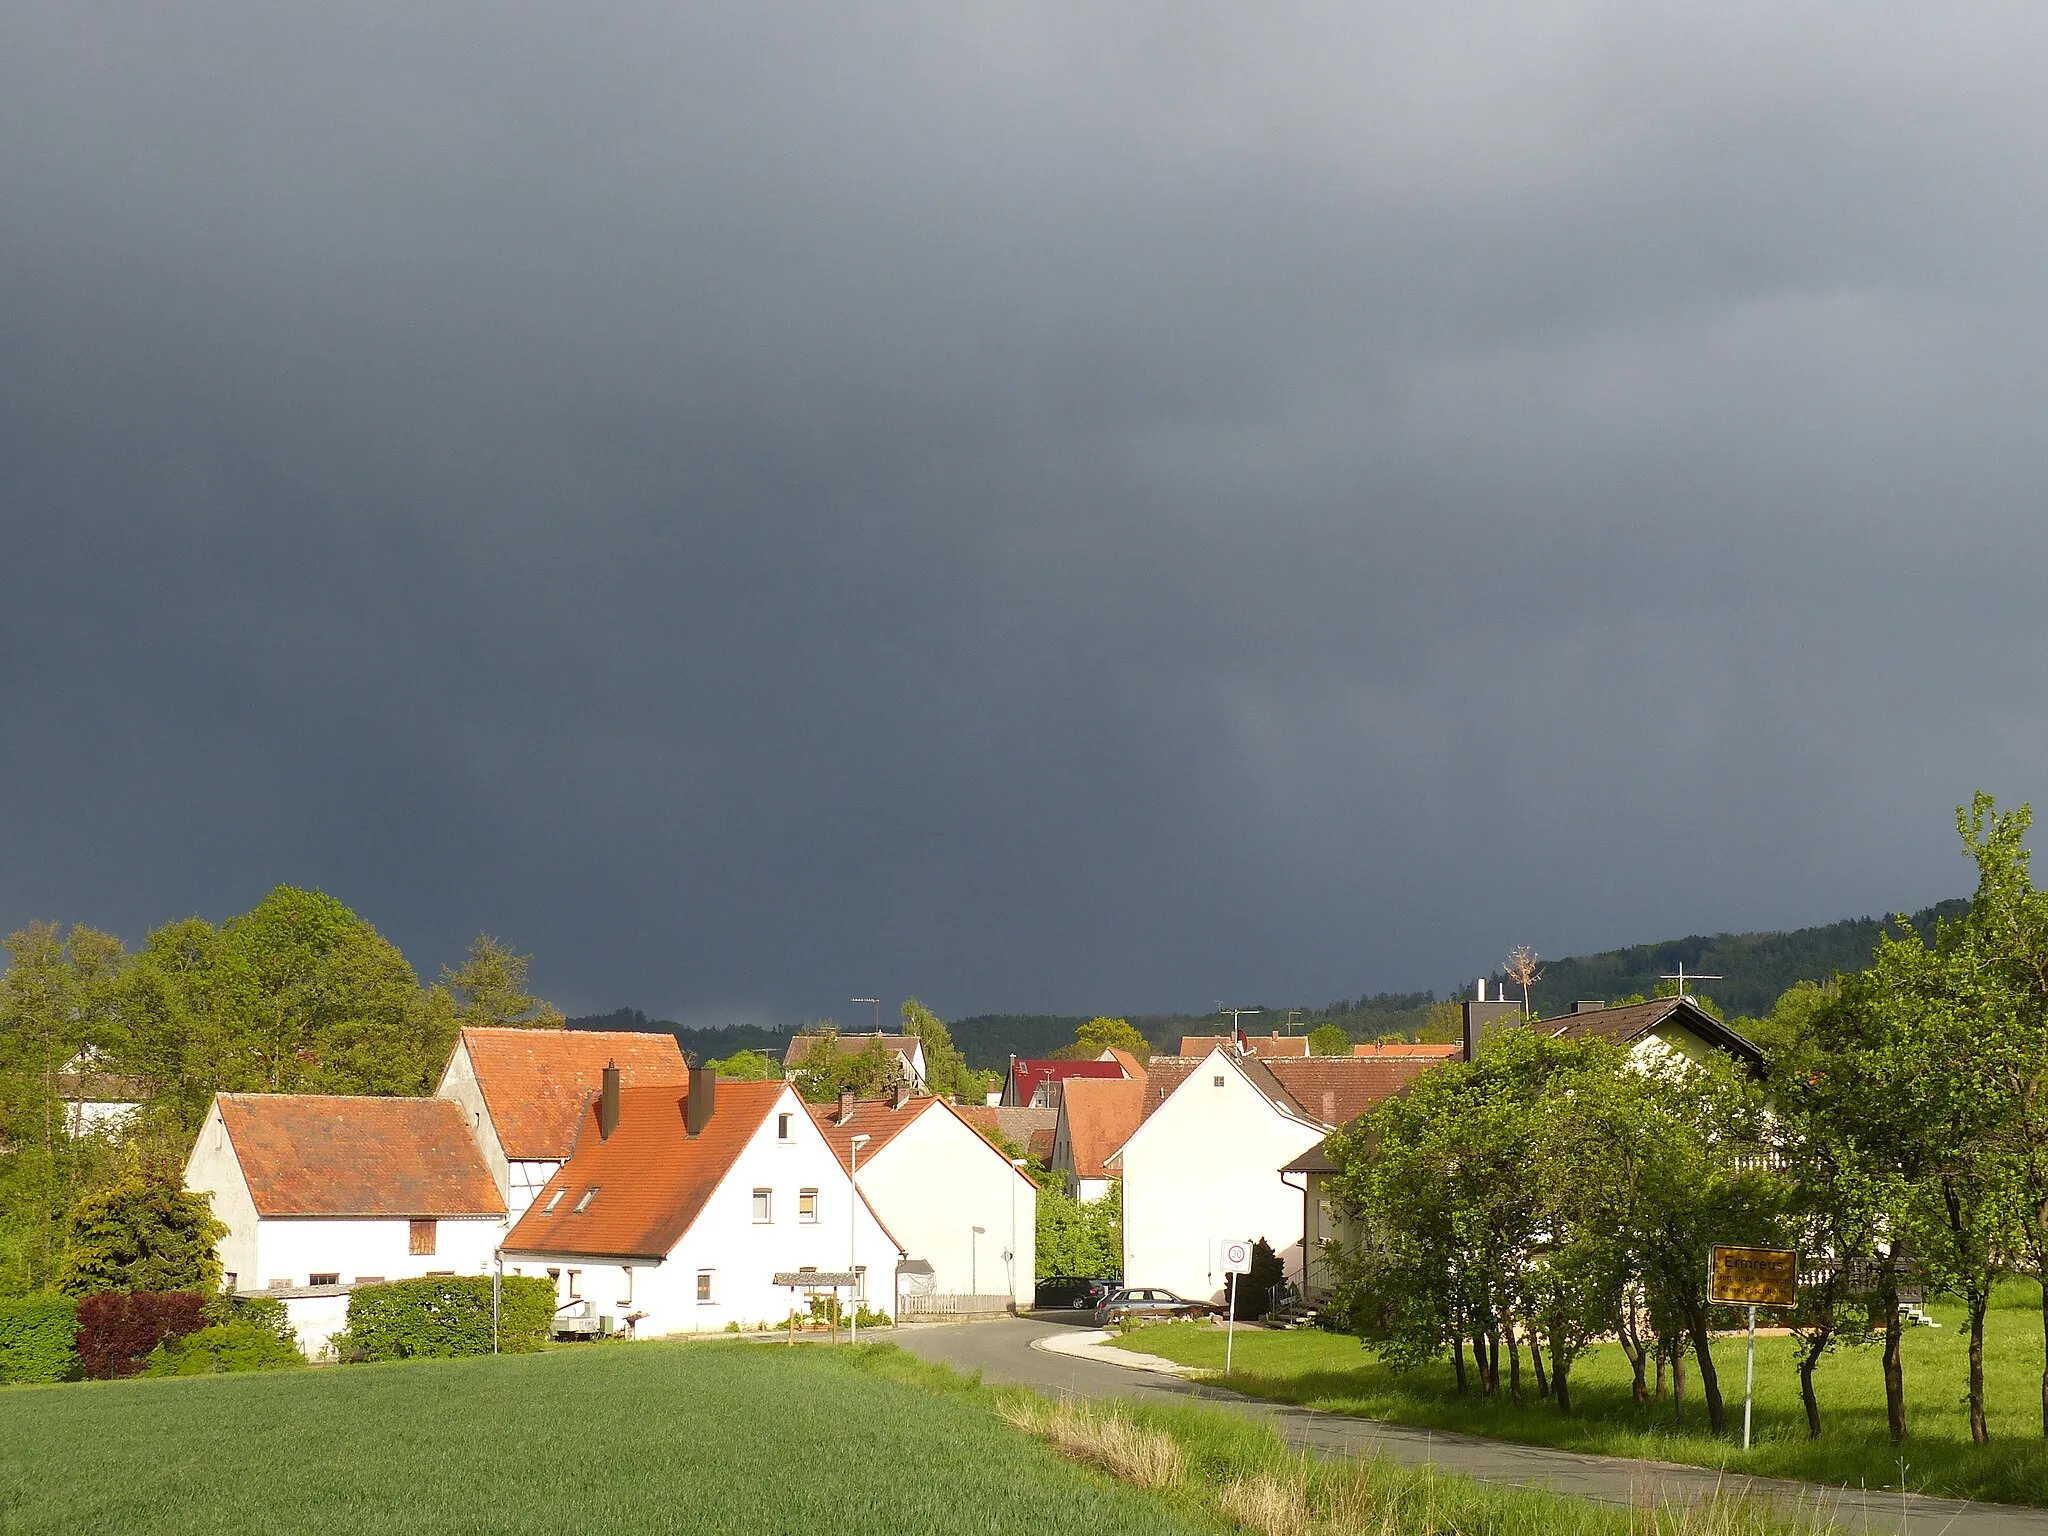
x=974 y=1261
x=853 y=1239
x=878 y=1009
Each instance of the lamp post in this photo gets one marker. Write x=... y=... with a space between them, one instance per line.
x=974 y=1261
x=853 y=1238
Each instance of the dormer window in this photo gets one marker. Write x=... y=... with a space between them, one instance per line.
x=583 y=1205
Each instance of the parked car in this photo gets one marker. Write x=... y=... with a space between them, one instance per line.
x=1069 y=1291
x=1147 y=1304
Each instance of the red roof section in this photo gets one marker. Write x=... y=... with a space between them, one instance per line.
x=1409 y=1048
x=1100 y=1118
x=1338 y=1089
x=1026 y=1076
x=652 y=1180
x=881 y=1122
x=1262 y=1046
x=309 y=1154
x=536 y=1081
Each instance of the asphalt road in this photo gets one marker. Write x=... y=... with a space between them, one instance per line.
x=1002 y=1352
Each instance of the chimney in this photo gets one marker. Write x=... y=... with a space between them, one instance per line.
x=1582 y=1006
x=702 y=1102
x=608 y=1103
x=1480 y=996
x=845 y=1105
x=901 y=1097
x=1329 y=1106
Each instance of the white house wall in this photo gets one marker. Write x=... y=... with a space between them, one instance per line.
x=934 y=1183
x=743 y=1255
x=214 y=1171
x=524 y=1180
x=1204 y=1168
x=292 y=1249
x=459 y=1083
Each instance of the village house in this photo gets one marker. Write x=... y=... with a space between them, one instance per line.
x=1205 y=1163
x=907 y=1049
x=1096 y=1116
x=524 y=1092
x=965 y=1215
x=320 y=1194
x=679 y=1205
x=1029 y=1130
x=1038 y=1082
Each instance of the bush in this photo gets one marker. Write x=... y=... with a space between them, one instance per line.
x=445 y=1316
x=224 y=1347
x=265 y=1312
x=118 y=1329
x=38 y=1338
x=144 y=1232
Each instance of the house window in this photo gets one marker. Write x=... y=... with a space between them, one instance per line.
x=422 y=1237
x=860 y=1284
x=807 y=1205
x=1218 y=1079
x=227 y=1281
x=553 y=1200
x=575 y=1285
x=707 y=1287
x=764 y=1205
x=626 y=1300
x=589 y=1195
x=323 y=1279
x=782 y=1127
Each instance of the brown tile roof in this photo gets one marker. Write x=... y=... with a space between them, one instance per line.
x=1628 y=1024
x=1040 y=1147
x=1336 y=1090
x=1409 y=1048
x=651 y=1179
x=799 y=1048
x=309 y=1154
x=877 y=1119
x=1101 y=1113
x=1258 y=1045
x=1123 y=1058
x=1165 y=1074
x=535 y=1081
x=1018 y=1123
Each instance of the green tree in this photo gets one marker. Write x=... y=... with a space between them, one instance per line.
x=1329 y=1040
x=1101 y=1034
x=946 y=1072
x=1084 y=1239
x=827 y=1071
x=747 y=1067
x=144 y=1232
x=491 y=988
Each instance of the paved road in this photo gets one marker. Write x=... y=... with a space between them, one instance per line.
x=1002 y=1352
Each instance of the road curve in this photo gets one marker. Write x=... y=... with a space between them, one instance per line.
x=1001 y=1351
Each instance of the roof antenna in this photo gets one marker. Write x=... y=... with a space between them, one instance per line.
x=1681 y=978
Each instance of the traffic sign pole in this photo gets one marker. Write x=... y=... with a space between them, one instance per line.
x=1230 y=1328
x=1749 y=1378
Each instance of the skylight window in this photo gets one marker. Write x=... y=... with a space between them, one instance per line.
x=553 y=1200
x=583 y=1205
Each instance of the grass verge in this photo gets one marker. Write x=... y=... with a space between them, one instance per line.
x=1333 y=1371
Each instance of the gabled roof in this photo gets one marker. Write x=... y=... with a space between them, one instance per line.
x=1626 y=1025
x=309 y=1154
x=1165 y=1074
x=536 y=1081
x=882 y=1122
x=1257 y=1045
x=1336 y=1090
x=1027 y=1076
x=652 y=1180
x=1017 y=1123
x=1100 y=1113
x=798 y=1051
x=1428 y=1049
x=1123 y=1058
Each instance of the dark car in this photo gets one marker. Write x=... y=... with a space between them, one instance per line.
x=1147 y=1304
x=1057 y=1291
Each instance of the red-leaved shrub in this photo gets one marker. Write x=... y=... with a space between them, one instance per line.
x=118 y=1329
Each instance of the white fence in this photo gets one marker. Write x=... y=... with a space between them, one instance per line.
x=912 y=1307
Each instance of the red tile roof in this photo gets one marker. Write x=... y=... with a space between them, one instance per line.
x=1409 y=1048
x=1257 y=1045
x=652 y=1180
x=1027 y=1076
x=1165 y=1074
x=1100 y=1117
x=536 y=1081
x=881 y=1122
x=1338 y=1089
x=318 y=1155
x=1018 y=1124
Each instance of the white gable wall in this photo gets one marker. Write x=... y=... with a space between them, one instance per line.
x=936 y=1181
x=1204 y=1168
x=214 y=1171
x=459 y=1083
x=742 y=1254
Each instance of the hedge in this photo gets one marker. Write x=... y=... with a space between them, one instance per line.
x=224 y=1347
x=118 y=1329
x=449 y=1315
x=38 y=1338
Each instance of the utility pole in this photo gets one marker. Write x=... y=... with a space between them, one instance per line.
x=878 y=1010
x=853 y=1238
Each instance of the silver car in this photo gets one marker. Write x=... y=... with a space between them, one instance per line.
x=1147 y=1304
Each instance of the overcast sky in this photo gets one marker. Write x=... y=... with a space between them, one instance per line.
x=1045 y=508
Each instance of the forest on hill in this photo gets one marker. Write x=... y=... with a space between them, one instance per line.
x=1753 y=970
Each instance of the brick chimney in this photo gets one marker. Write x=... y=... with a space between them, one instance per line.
x=845 y=1105
x=608 y=1103
x=702 y=1103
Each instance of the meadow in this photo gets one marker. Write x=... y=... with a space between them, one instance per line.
x=1336 y=1372
x=718 y=1437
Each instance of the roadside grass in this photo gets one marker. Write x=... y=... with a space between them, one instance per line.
x=1211 y=1461
x=1333 y=1371
x=701 y=1437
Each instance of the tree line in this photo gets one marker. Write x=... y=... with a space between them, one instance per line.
x=1553 y=1192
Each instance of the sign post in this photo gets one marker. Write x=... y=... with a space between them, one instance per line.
x=1237 y=1259
x=1751 y=1278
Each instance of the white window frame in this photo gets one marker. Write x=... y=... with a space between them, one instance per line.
x=764 y=1207
x=807 y=1207
x=707 y=1288
x=783 y=1122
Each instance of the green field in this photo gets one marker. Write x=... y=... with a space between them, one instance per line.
x=1335 y=1371
x=649 y=1437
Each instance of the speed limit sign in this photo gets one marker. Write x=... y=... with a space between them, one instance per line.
x=1237 y=1257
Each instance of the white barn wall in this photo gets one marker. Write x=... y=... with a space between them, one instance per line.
x=213 y=1170
x=459 y=1083
x=1203 y=1168
x=294 y=1248
x=938 y=1179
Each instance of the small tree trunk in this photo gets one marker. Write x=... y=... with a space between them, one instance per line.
x=1677 y=1382
x=2044 y=1340
x=1487 y=1347
x=1536 y=1359
x=1980 y=1302
x=1710 y=1383
x=1815 y=1345
x=1458 y=1359
x=1894 y=1371
x=1662 y=1357
x=1561 y=1375
x=1632 y=1346
x=1514 y=1364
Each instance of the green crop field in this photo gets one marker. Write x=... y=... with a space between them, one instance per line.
x=727 y=1438
x=1336 y=1372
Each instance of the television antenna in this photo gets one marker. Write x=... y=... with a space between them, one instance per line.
x=1237 y=1018
x=1290 y=1019
x=1682 y=978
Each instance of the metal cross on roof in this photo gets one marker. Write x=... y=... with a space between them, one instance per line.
x=1681 y=978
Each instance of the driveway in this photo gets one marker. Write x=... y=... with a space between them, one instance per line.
x=1002 y=1351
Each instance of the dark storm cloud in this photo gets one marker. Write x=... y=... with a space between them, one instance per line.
x=1044 y=508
